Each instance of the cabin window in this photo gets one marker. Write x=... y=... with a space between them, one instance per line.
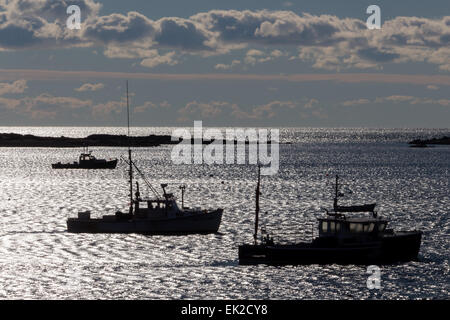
x=371 y=226
x=381 y=226
x=338 y=226
x=359 y=227
x=366 y=228
x=356 y=227
x=324 y=226
x=332 y=226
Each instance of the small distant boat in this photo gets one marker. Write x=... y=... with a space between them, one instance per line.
x=157 y=215
x=342 y=240
x=87 y=161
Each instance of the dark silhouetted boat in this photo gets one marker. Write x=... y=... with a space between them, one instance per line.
x=342 y=240
x=157 y=215
x=87 y=161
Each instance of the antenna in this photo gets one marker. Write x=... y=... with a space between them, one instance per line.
x=255 y=235
x=130 y=169
x=336 y=194
x=183 y=188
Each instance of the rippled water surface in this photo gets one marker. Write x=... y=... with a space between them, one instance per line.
x=40 y=260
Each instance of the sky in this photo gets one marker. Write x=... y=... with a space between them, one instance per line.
x=245 y=63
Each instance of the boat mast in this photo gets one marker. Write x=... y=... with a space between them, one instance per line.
x=183 y=188
x=130 y=169
x=336 y=192
x=255 y=235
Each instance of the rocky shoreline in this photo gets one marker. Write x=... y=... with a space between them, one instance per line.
x=435 y=141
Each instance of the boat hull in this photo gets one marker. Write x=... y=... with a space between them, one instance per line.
x=201 y=223
x=100 y=165
x=398 y=247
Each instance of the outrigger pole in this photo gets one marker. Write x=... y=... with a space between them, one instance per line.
x=130 y=170
x=255 y=235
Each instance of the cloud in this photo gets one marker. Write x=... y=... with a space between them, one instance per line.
x=90 y=87
x=118 y=28
x=327 y=41
x=222 y=66
x=106 y=109
x=183 y=34
x=203 y=110
x=268 y=111
x=9 y=104
x=432 y=87
x=150 y=105
x=357 y=102
x=311 y=103
x=412 y=100
x=155 y=59
x=43 y=106
x=28 y=24
x=398 y=98
x=18 y=86
x=271 y=110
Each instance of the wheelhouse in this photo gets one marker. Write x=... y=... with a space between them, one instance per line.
x=352 y=226
x=87 y=157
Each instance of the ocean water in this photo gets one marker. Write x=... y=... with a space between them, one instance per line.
x=40 y=260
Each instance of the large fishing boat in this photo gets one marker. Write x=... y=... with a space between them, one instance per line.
x=159 y=214
x=342 y=239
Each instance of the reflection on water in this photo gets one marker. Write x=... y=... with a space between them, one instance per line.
x=39 y=259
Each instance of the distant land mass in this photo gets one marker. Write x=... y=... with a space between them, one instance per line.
x=95 y=140
x=418 y=142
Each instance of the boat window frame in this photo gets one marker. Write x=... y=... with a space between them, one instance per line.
x=324 y=224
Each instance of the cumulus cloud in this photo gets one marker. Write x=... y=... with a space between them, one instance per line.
x=155 y=59
x=40 y=23
x=90 y=87
x=43 y=106
x=18 y=86
x=329 y=42
x=222 y=66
